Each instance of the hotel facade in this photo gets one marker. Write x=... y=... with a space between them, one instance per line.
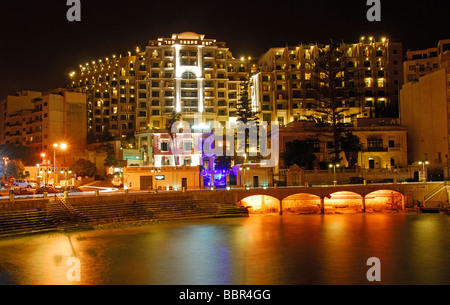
x=186 y=73
x=199 y=78
x=282 y=88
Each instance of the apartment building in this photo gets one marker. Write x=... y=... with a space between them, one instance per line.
x=13 y=103
x=282 y=88
x=55 y=116
x=425 y=105
x=423 y=62
x=186 y=73
x=111 y=94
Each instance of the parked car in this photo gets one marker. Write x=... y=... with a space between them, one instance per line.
x=387 y=180
x=435 y=177
x=71 y=189
x=117 y=181
x=22 y=191
x=6 y=183
x=48 y=189
x=25 y=183
x=356 y=180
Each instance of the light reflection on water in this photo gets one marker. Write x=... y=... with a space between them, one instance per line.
x=271 y=250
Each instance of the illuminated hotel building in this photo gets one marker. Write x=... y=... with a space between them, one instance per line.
x=199 y=78
x=422 y=62
x=283 y=87
x=186 y=73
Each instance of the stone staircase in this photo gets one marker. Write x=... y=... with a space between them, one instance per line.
x=157 y=211
x=14 y=223
x=62 y=216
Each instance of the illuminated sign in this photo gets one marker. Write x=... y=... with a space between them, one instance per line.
x=159 y=177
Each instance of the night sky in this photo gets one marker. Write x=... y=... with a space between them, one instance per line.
x=39 y=47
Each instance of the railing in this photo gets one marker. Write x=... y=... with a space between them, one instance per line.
x=434 y=192
x=65 y=208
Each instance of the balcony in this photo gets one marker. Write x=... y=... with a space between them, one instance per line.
x=377 y=149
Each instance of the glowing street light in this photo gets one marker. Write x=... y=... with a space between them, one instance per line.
x=423 y=173
x=61 y=146
x=334 y=165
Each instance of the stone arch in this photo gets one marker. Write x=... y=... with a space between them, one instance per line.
x=302 y=203
x=261 y=204
x=343 y=202
x=384 y=201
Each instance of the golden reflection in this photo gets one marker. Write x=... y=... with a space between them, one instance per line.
x=47 y=262
x=261 y=204
x=302 y=204
x=343 y=202
x=384 y=201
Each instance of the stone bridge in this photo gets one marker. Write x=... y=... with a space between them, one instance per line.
x=405 y=195
x=404 y=191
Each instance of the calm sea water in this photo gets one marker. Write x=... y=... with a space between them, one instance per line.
x=259 y=250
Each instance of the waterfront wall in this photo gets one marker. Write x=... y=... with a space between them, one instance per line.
x=433 y=194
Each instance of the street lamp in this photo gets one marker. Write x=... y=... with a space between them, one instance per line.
x=423 y=175
x=66 y=172
x=61 y=146
x=334 y=165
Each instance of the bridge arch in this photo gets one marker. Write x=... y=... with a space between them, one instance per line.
x=302 y=203
x=343 y=202
x=261 y=204
x=384 y=201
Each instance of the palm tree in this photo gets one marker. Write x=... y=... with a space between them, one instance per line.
x=174 y=117
x=331 y=89
x=351 y=146
x=300 y=153
x=245 y=113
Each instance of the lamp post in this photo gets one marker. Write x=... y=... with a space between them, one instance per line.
x=334 y=165
x=61 y=146
x=66 y=178
x=423 y=173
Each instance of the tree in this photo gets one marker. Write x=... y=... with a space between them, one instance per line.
x=299 y=152
x=174 y=117
x=14 y=169
x=245 y=113
x=331 y=87
x=244 y=107
x=83 y=167
x=351 y=146
x=111 y=159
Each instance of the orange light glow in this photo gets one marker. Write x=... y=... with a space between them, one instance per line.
x=302 y=204
x=261 y=204
x=343 y=202
x=384 y=201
